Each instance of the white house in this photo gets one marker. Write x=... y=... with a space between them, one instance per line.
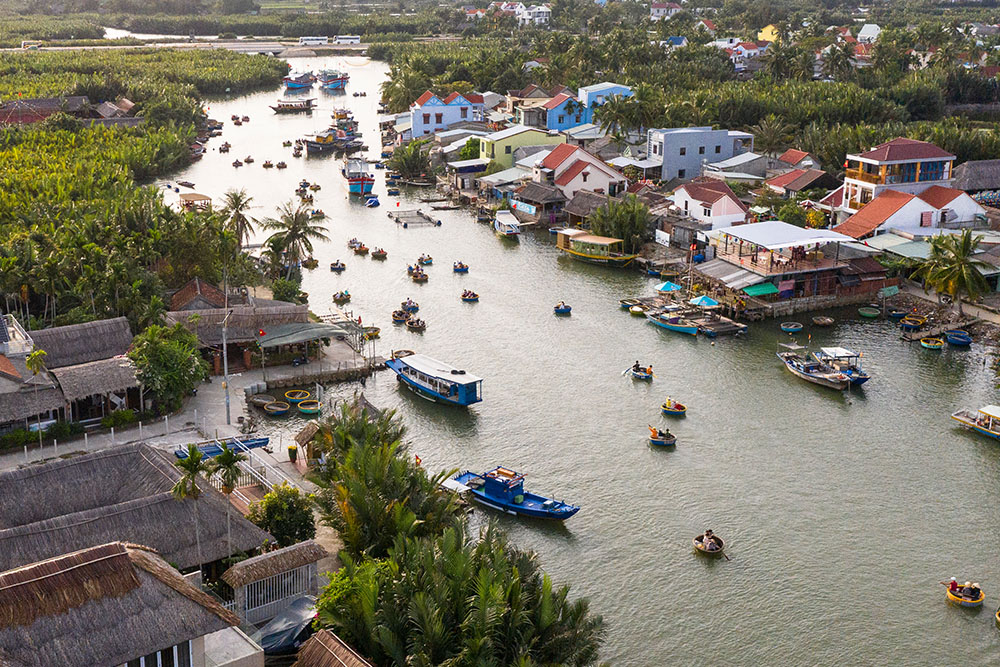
x=663 y=10
x=429 y=113
x=682 y=151
x=570 y=169
x=869 y=33
x=706 y=25
x=711 y=201
x=537 y=15
x=937 y=206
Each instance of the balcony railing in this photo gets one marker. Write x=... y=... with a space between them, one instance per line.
x=861 y=175
x=854 y=204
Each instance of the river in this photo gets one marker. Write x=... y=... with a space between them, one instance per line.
x=842 y=513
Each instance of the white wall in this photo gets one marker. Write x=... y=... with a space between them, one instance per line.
x=723 y=213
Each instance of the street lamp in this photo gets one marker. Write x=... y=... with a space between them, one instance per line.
x=225 y=359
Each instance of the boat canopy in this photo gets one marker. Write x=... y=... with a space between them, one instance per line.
x=795 y=346
x=838 y=352
x=991 y=411
x=592 y=239
x=438 y=369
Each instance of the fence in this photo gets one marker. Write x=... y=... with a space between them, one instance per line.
x=265 y=598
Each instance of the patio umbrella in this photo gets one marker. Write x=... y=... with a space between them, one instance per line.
x=703 y=301
x=668 y=287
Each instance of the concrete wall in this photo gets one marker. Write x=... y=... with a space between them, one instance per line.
x=699 y=145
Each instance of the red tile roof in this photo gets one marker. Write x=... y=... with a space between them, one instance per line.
x=475 y=98
x=834 y=198
x=793 y=156
x=939 y=196
x=873 y=214
x=423 y=99
x=451 y=98
x=708 y=24
x=195 y=288
x=750 y=46
x=796 y=179
x=557 y=100
x=558 y=155
x=902 y=148
x=710 y=191
x=7 y=368
x=572 y=172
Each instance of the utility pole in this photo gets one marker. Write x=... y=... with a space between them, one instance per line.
x=225 y=361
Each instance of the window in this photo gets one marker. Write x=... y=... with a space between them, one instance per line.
x=577 y=118
x=686 y=206
x=464 y=111
x=427 y=118
x=681 y=173
x=684 y=150
x=585 y=174
x=707 y=212
x=701 y=150
x=562 y=119
x=506 y=149
x=437 y=118
x=718 y=149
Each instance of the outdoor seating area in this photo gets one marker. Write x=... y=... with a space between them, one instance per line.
x=776 y=248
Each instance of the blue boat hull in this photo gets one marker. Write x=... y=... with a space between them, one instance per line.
x=657 y=442
x=517 y=510
x=396 y=367
x=336 y=84
x=361 y=187
x=689 y=330
x=470 y=299
x=641 y=376
x=291 y=85
x=562 y=311
x=465 y=270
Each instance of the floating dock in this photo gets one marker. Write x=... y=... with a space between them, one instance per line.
x=413 y=217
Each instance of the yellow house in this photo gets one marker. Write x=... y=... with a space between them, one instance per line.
x=500 y=146
x=768 y=33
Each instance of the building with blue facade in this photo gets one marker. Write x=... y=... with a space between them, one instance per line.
x=429 y=113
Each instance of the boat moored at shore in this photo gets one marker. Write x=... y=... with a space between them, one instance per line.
x=587 y=247
x=503 y=489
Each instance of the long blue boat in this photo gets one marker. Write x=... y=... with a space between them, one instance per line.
x=673 y=323
x=503 y=489
x=211 y=448
x=985 y=421
x=436 y=380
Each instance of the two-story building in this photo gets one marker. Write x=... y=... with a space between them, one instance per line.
x=562 y=110
x=663 y=10
x=683 y=150
x=429 y=113
x=535 y=15
x=571 y=169
x=903 y=165
x=500 y=146
x=937 y=206
x=711 y=201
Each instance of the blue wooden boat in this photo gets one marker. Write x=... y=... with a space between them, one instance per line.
x=309 y=407
x=436 y=380
x=212 y=448
x=471 y=297
x=562 y=309
x=958 y=337
x=791 y=327
x=458 y=267
x=931 y=343
x=372 y=202
x=392 y=191
x=400 y=316
x=299 y=82
x=410 y=306
x=845 y=361
x=986 y=421
x=640 y=375
x=810 y=370
x=673 y=323
x=962 y=601
x=503 y=489
x=896 y=314
x=277 y=409
x=425 y=260
x=912 y=322
x=337 y=266
x=295 y=396
x=627 y=304
x=672 y=408
x=660 y=438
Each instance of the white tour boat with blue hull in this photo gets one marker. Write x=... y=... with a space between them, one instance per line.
x=436 y=380
x=810 y=370
x=843 y=360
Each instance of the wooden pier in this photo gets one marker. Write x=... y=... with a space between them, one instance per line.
x=413 y=217
x=936 y=331
x=310 y=374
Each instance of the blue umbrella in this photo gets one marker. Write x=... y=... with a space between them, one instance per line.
x=668 y=287
x=703 y=301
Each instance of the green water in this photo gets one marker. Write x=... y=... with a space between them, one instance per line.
x=841 y=512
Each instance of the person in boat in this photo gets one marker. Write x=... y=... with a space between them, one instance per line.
x=967 y=591
x=649 y=370
x=709 y=541
x=636 y=367
x=974 y=594
x=953 y=586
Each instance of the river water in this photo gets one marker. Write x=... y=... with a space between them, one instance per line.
x=841 y=512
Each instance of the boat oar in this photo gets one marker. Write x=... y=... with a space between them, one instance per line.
x=726 y=555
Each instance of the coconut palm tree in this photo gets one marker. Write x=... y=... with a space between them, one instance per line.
x=614 y=115
x=35 y=362
x=838 y=63
x=227 y=466
x=294 y=232
x=771 y=133
x=235 y=208
x=192 y=467
x=951 y=268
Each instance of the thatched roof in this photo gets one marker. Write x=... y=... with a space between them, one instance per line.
x=976 y=175
x=81 y=343
x=274 y=562
x=104 y=605
x=18 y=405
x=585 y=202
x=96 y=377
x=540 y=193
x=244 y=323
x=325 y=649
x=121 y=493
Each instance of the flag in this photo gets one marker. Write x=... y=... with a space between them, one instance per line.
x=261 y=333
x=417 y=459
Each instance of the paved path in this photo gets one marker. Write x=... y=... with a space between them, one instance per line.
x=969 y=309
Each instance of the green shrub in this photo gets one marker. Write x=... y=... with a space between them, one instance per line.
x=119 y=418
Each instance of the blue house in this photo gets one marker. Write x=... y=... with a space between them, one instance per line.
x=564 y=111
x=598 y=94
x=429 y=113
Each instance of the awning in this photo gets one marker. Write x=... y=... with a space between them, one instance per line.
x=761 y=290
x=730 y=275
x=776 y=234
x=299 y=332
